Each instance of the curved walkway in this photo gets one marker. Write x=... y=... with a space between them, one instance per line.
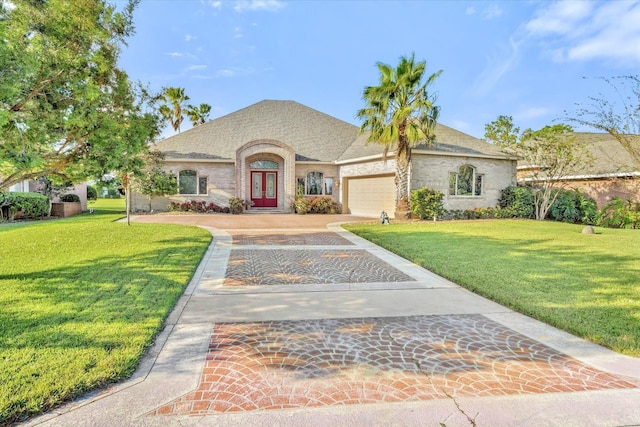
x=292 y=320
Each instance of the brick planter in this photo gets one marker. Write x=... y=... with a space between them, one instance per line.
x=65 y=209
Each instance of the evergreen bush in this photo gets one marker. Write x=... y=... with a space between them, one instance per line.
x=32 y=205
x=69 y=198
x=517 y=202
x=92 y=192
x=427 y=203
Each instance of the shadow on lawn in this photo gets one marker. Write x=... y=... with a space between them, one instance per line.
x=71 y=329
x=107 y=289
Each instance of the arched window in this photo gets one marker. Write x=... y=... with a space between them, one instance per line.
x=465 y=182
x=315 y=184
x=263 y=164
x=190 y=183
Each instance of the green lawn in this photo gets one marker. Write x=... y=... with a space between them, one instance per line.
x=82 y=298
x=588 y=285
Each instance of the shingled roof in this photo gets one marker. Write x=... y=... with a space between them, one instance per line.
x=448 y=141
x=313 y=135
x=609 y=156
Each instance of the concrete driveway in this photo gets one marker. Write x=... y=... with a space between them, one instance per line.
x=291 y=320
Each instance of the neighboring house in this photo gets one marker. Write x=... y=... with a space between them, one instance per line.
x=611 y=172
x=271 y=151
x=28 y=186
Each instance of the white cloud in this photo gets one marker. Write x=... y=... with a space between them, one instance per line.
x=215 y=4
x=492 y=11
x=584 y=31
x=561 y=17
x=254 y=5
x=233 y=72
x=196 y=67
x=498 y=66
x=237 y=33
x=188 y=37
x=487 y=13
x=175 y=54
x=225 y=72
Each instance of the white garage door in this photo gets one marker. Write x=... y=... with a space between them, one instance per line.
x=372 y=195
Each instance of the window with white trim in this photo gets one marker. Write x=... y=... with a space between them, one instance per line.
x=465 y=182
x=190 y=183
x=315 y=184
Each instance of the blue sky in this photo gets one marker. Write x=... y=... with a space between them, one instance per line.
x=532 y=60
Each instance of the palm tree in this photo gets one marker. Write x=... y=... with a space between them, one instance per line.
x=172 y=109
x=400 y=114
x=198 y=115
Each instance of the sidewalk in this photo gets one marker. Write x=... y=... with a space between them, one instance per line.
x=290 y=320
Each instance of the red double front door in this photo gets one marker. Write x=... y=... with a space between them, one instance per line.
x=264 y=189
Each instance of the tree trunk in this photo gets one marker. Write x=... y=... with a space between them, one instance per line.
x=403 y=208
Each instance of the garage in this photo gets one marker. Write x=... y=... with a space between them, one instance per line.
x=368 y=196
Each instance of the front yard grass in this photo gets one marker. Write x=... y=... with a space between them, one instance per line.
x=588 y=285
x=81 y=299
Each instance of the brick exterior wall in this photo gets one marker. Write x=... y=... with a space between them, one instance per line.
x=427 y=170
x=220 y=186
x=65 y=209
x=604 y=189
x=433 y=172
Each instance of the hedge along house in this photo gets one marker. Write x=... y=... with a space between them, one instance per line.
x=272 y=151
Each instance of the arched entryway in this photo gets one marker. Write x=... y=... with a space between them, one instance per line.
x=265 y=174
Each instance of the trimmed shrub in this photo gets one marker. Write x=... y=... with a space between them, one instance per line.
x=69 y=198
x=477 y=213
x=92 y=193
x=236 y=205
x=620 y=213
x=32 y=205
x=317 y=205
x=517 y=202
x=427 y=203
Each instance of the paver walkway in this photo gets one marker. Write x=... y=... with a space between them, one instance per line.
x=282 y=319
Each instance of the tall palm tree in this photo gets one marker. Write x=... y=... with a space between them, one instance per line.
x=174 y=104
x=198 y=115
x=400 y=114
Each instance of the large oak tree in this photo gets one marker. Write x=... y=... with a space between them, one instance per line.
x=66 y=109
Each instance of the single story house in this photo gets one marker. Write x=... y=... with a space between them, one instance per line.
x=272 y=151
x=610 y=172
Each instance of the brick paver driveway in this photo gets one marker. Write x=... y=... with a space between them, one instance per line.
x=310 y=361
